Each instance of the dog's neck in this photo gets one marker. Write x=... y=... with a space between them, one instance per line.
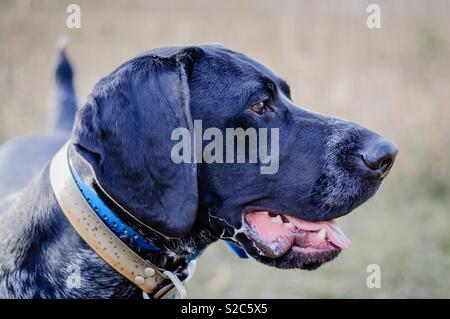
x=174 y=252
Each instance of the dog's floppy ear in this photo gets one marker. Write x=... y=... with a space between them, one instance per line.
x=124 y=132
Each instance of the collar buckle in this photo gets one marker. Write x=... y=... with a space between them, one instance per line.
x=176 y=285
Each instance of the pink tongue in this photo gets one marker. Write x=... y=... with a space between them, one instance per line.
x=337 y=237
x=334 y=233
x=271 y=231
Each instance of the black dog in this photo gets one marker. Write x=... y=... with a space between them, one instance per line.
x=121 y=141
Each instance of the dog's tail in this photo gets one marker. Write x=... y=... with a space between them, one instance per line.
x=63 y=105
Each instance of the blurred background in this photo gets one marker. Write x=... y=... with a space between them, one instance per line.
x=394 y=80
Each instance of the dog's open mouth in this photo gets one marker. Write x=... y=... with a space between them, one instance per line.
x=276 y=234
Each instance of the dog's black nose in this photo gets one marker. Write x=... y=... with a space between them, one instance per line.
x=378 y=155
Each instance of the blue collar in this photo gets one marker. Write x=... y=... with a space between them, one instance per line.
x=237 y=250
x=120 y=228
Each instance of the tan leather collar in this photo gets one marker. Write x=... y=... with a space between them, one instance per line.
x=153 y=281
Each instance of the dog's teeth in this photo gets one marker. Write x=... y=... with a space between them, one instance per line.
x=277 y=219
x=289 y=225
x=322 y=233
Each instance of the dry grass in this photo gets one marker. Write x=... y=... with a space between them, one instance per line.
x=394 y=80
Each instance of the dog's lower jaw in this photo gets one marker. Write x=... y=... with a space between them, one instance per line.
x=292 y=261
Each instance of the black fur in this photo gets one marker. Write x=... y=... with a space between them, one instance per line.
x=124 y=131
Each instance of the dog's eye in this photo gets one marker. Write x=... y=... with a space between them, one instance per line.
x=260 y=107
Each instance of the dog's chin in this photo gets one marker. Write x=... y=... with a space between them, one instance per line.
x=295 y=259
x=288 y=242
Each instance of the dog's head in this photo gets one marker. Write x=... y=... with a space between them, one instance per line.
x=278 y=200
